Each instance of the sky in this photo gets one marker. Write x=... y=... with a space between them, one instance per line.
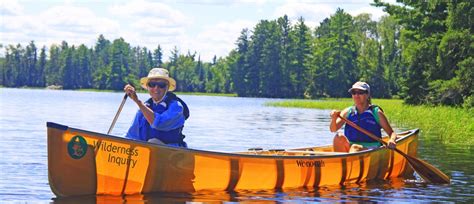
x=208 y=27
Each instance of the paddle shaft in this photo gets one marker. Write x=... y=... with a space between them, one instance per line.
x=117 y=114
x=427 y=171
x=352 y=124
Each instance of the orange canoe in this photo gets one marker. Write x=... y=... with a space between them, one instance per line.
x=82 y=162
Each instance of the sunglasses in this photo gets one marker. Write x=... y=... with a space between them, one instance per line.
x=358 y=92
x=160 y=84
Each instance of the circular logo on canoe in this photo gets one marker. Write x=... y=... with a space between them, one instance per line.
x=77 y=147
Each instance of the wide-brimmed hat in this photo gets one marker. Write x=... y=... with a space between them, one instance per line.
x=158 y=73
x=360 y=85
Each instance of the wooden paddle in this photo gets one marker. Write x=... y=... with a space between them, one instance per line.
x=427 y=171
x=117 y=114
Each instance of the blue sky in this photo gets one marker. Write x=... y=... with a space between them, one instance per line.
x=208 y=27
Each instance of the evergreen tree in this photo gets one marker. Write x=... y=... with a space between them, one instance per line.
x=255 y=56
x=41 y=79
x=157 y=57
x=302 y=59
x=119 y=65
x=319 y=73
x=269 y=62
x=339 y=54
x=67 y=68
x=83 y=67
x=173 y=61
x=30 y=70
x=53 y=72
x=20 y=66
x=12 y=66
x=286 y=57
x=240 y=69
x=200 y=76
x=100 y=66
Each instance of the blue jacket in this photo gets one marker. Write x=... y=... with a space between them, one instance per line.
x=366 y=120
x=167 y=126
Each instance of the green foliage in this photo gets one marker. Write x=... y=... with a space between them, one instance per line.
x=437 y=37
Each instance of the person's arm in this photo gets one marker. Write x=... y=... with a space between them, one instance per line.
x=170 y=119
x=147 y=112
x=336 y=122
x=388 y=129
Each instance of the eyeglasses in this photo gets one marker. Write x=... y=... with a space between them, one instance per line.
x=358 y=92
x=160 y=84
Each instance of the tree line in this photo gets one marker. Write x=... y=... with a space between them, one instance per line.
x=108 y=65
x=421 y=52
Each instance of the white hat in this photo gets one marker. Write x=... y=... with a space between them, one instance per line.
x=159 y=73
x=361 y=86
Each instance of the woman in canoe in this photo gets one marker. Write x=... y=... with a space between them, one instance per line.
x=161 y=118
x=366 y=115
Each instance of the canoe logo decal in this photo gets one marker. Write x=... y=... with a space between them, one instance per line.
x=77 y=147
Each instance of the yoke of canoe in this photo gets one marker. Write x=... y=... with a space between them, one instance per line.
x=82 y=162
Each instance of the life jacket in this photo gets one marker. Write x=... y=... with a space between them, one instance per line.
x=171 y=136
x=368 y=120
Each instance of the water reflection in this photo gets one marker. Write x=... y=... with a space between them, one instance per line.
x=395 y=190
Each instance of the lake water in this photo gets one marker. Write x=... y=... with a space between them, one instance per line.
x=216 y=123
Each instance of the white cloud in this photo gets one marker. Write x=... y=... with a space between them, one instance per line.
x=158 y=27
x=76 y=21
x=219 y=39
x=10 y=8
x=313 y=14
x=149 y=24
x=73 y=24
x=144 y=9
x=376 y=13
x=253 y=2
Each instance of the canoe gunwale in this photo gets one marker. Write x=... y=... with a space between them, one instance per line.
x=232 y=154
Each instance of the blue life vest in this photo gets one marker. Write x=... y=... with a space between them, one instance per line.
x=173 y=136
x=367 y=120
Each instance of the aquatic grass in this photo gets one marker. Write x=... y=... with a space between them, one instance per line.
x=449 y=125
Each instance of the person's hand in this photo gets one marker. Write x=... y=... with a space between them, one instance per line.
x=130 y=91
x=391 y=144
x=334 y=114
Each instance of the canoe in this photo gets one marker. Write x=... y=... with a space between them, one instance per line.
x=82 y=162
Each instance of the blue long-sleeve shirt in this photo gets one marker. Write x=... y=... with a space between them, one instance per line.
x=166 y=125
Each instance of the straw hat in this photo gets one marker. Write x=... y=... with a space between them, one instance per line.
x=159 y=73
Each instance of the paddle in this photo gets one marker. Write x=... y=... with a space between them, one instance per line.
x=427 y=171
x=117 y=114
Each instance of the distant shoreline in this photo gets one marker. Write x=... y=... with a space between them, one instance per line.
x=140 y=90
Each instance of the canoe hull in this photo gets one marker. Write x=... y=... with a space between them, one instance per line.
x=86 y=163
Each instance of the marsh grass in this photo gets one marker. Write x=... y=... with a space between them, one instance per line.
x=451 y=126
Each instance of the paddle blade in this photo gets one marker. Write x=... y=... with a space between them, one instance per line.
x=428 y=172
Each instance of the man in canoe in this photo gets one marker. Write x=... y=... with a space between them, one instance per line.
x=161 y=118
x=367 y=116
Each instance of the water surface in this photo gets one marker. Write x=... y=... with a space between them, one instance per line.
x=217 y=123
